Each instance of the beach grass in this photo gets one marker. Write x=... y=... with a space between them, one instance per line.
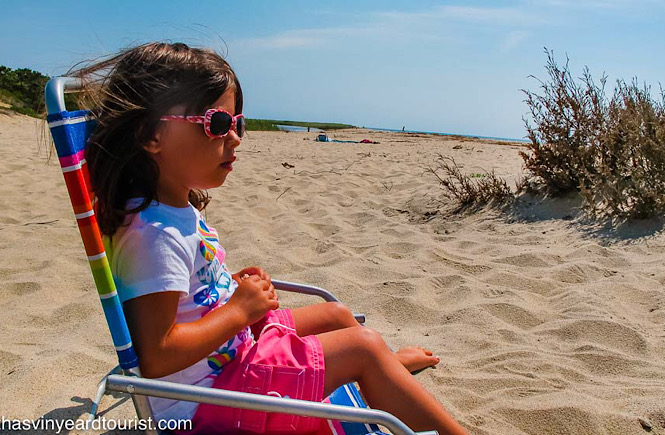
x=261 y=125
x=271 y=125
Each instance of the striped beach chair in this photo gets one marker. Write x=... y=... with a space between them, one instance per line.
x=344 y=410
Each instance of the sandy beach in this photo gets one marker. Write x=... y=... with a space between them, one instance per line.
x=544 y=324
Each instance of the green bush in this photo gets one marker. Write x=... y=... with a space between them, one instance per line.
x=319 y=125
x=261 y=125
x=24 y=88
x=24 y=111
x=271 y=124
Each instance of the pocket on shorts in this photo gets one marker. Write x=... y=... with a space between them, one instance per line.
x=277 y=381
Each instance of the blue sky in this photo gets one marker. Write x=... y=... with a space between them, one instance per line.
x=444 y=66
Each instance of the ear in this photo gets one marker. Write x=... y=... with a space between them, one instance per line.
x=153 y=146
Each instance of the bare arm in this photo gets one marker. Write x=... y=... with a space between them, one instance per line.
x=165 y=347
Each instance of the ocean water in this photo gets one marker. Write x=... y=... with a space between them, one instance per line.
x=297 y=128
x=507 y=139
x=316 y=130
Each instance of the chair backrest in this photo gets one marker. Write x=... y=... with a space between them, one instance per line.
x=70 y=131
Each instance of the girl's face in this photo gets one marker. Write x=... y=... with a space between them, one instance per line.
x=189 y=159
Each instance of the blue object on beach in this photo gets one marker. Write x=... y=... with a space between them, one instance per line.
x=325 y=138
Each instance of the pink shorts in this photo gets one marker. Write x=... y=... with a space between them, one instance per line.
x=280 y=364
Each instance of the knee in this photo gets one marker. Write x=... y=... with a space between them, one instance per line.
x=370 y=342
x=340 y=316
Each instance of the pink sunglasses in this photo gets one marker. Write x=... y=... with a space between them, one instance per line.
x=216 y=122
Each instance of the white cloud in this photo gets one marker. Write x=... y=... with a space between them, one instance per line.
x=513 y=39
x=433 y=24
x=467 y=14
x=284 y=40
x=599 y=4
x=302 y=38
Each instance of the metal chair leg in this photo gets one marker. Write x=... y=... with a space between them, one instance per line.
x=101 y=389
x=142 y=405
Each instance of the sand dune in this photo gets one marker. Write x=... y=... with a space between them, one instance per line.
x=544 y=324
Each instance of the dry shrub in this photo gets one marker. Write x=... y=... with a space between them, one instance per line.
x=568 y=118
x=610 y=150
x=629 y=181
x=469 y=190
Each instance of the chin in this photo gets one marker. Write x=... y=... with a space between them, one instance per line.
x=218 y=179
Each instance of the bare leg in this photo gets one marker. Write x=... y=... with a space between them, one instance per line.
x=331 y=316
x=360 y=354
x=324 y=317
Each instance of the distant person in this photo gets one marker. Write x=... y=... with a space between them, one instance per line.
x=170 y=121
x=403 y=127
x=307 y=129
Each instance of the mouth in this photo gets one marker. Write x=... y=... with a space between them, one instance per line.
x=228 y=165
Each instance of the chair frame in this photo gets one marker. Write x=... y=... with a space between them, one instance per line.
x=128 y=380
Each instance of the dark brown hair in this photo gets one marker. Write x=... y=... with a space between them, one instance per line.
x=127 y=94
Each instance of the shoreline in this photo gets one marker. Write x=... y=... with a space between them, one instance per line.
x=453 y=135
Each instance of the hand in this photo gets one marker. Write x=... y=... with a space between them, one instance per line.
x=254 y=297
x=254 y=270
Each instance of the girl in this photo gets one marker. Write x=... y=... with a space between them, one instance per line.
x=169 y=124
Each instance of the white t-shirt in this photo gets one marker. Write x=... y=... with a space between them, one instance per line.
x=168 y=248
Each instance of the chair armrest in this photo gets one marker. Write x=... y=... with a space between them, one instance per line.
x=171 y=390
x=304 y=289
x=311 y=290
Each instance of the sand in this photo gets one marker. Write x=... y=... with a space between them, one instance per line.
x=544 y=324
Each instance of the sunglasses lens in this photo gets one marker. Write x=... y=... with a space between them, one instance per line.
x=220 y=123
x=240 y=126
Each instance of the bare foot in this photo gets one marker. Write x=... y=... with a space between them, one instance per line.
x=416 y=358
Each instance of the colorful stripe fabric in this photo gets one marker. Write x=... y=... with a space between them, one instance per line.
x=70 y=131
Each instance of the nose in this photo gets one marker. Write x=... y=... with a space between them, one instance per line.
x=232 y=139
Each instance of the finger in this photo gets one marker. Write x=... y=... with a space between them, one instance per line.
x=255 y=270
x=260 y=272
x=252 y=278
x=244 y=271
